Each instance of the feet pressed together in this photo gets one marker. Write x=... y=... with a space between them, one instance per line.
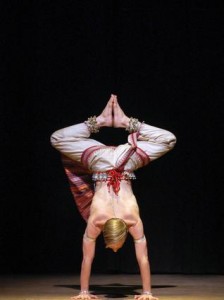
x=113 y=115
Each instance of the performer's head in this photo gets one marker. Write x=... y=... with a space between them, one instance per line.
x=115 y=231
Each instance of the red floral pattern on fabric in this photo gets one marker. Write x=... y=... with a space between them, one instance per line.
x=114 y=180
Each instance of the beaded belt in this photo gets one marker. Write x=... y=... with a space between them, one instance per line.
x=113 y=178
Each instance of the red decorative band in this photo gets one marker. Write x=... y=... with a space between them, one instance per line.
x=87 y=153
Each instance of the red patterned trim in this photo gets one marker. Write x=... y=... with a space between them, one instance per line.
x=86 y=154
x=114 y=180
x=124 y=160
x=81 y=185
x=143 y=156
x=132 y=139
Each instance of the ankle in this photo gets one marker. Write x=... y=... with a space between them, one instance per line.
x=104 y=122
x=100 y=121
x=121 y=122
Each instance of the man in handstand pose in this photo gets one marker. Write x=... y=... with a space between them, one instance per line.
x=111 y=207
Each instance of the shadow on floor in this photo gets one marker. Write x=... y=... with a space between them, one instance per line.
x=114 y=290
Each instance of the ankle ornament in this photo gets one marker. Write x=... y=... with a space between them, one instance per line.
x=133 y=125
x=92 y=124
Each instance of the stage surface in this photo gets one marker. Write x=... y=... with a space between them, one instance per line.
x=120 y=286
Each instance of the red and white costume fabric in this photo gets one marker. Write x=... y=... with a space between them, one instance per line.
x=83 y=157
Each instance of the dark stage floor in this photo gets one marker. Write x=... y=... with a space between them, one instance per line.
x=61 y=286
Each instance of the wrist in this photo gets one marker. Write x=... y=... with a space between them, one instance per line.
x=84 y=292
x=149 y=293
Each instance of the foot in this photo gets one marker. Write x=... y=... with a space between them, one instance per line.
x=120 y=119
x=106 y=118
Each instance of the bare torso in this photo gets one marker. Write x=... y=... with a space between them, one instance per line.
x=106 y=204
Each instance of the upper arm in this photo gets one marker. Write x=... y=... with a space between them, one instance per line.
x=92 y=230
x=137 y=230
x=89 y=244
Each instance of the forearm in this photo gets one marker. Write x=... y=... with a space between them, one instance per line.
x=142 y=257
x=89 y=244
x=145 y=274
x=85 y=274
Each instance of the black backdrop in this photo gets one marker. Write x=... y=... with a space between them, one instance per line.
x=61 y=60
